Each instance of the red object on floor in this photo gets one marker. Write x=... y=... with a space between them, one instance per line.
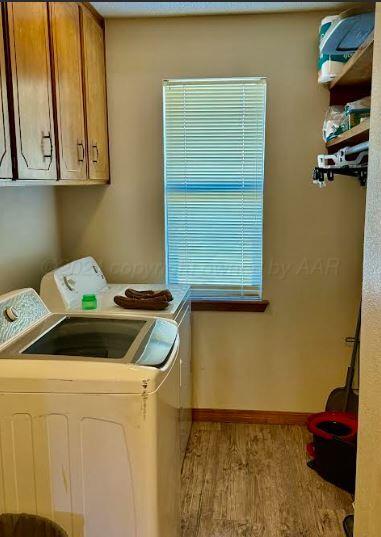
x=328 y=425
x=311 y=450
x=333 y=450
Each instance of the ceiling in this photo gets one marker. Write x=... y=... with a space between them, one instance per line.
x=165 y=9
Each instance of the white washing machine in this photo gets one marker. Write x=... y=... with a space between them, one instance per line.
x=63 y=288
x=89 y=419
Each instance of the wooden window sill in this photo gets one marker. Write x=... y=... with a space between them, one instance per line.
x=258 y=306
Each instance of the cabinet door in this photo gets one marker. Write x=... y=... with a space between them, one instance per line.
x=32 y=89
x=95 y=91
x=65 y=25
x=5 y=144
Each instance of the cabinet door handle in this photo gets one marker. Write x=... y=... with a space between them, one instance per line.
x=96 y=152
x=81 y=152
x=43 y=138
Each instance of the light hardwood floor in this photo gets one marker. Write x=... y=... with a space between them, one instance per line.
x=252 y=481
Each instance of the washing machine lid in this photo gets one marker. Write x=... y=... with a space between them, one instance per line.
x=97 y=339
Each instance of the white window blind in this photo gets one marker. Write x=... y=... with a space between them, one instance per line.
x=214 y=141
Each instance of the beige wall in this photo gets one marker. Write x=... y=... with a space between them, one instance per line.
x=291 y=356
x=29 y=238
x=368 y=491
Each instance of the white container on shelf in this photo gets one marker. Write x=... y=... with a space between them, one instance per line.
x=329 y=67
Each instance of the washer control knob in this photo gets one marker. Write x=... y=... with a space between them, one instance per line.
x=11 y=314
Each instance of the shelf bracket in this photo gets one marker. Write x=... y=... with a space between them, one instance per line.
x=321 y=175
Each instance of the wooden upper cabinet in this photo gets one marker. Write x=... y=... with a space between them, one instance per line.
x=57 y=123
x=32 y=89
x=5 y=144
x=67 y=53
x=96 y=99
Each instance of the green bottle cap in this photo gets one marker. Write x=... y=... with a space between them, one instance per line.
x=89 y=298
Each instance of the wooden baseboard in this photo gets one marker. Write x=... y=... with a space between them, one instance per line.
x=230 y=305
x=250 y=416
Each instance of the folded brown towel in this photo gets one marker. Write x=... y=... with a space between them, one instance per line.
x=133 y=293
x=141 y=303
x=157 y=298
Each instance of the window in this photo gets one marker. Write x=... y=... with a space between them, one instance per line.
x=214 y=139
